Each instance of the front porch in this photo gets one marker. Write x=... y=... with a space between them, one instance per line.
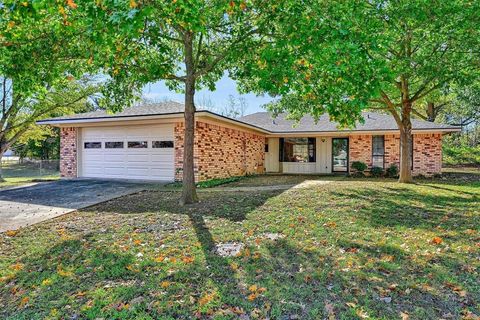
x=307 y=155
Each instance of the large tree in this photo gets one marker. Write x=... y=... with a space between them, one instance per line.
x=188 y=43
x=40 y=73
x=342 y=57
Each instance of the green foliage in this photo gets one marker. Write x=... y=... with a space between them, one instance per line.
x=39 y=142
x=461 y=155
x=392 y=171
x=359 y=166
x=217 y=182
x=376 y=172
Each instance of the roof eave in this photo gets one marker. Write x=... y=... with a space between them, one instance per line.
x=63 y=122
x=79 y=121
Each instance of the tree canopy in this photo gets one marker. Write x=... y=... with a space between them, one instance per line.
x=342 y=57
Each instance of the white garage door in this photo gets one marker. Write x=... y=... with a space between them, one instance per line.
x=128 y=152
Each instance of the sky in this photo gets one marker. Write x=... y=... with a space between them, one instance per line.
x=219 y=97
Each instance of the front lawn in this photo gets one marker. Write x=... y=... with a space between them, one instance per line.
x=346 y=249
x=17 y=174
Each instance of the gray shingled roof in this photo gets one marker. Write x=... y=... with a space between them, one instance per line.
x=373 y=121
x=145 y=110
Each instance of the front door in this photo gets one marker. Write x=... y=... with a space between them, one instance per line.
x=340 y=155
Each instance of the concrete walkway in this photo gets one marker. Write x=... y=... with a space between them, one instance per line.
x=303 y=185
x=31 y=204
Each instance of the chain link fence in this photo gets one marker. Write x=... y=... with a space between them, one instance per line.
x=17 y=168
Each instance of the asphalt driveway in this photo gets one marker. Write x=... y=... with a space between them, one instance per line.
x=28 y=205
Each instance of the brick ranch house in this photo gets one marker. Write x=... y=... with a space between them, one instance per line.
x=146 y=143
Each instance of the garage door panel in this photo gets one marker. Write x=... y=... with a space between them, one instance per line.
x=115 y=157
x=160 y=172
x=138 y=171
x=92 y=170
x=92 y=157
x=138 y=158
x=128 y=163
x=116 y=171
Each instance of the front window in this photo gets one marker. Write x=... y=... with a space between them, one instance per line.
x=297 y=150
x=378 y=151
x=114 y=145
x=137 y=144
x=162 y=144
x=92 y=145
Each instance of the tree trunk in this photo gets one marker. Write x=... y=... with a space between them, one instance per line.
x=431 y=113
x=189 y=193
x=406 y=143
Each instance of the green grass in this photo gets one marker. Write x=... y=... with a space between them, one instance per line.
x=350 y=249
x=16 y=174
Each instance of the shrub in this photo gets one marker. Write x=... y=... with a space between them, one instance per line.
x=392 y=171
x=359 y=166
x=376 y=172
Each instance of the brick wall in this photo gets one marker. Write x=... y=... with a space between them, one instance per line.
x=392 y=150
x=360 y=149
x=68 y=152
x=221 y=152
x=427 y=153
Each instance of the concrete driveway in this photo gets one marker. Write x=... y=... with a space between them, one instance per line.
x=28 y=205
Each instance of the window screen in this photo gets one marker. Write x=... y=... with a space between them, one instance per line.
x=378 y=151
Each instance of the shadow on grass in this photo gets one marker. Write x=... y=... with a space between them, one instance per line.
x=299 y=282
x=404 y=207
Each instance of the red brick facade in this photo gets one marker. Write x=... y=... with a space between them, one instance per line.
x=68 y=152
x=427 y=151
x=221 y=152
x=427 y=154
x=361 y=148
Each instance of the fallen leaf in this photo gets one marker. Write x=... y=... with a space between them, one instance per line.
x=252 y=296
x=437 y=240
x=165 y=284
x=188 y=259
x=46 y=282
x=331 y=224
x=24 y=301
x=11 y=233
x=330 y=310
x=17 y=266
x=159 y=259
x=253 y=288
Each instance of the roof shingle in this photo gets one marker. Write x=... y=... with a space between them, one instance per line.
x=264 y=120
x=373 y=122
